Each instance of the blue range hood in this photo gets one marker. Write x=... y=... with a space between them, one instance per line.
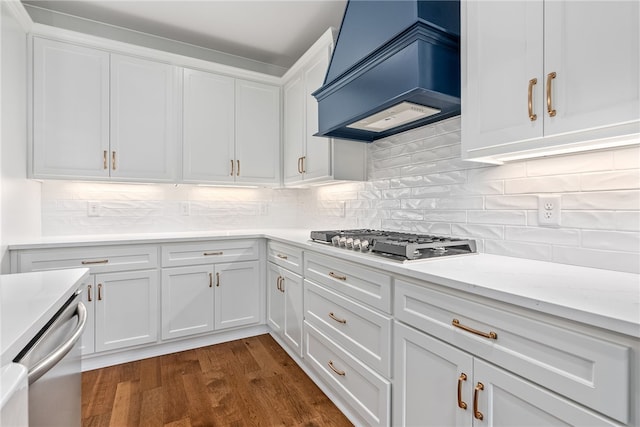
x=395 y=67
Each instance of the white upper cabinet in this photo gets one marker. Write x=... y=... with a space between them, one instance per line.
x=546 y=77
x=208 y=135
x=143 y=122
x=307 y=158
x=257 y=133
x=231 y=130
x=70 y=111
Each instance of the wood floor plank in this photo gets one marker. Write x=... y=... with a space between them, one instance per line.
x=249 y=382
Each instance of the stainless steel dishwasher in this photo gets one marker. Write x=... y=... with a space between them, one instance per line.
x=53 y=361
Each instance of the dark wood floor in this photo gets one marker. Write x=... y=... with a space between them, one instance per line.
x=249 y=382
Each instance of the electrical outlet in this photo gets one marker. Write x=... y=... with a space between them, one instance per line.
x=549 y=211
x=93 y=208
x=185 y=208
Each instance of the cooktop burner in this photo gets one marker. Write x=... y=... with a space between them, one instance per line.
x=396 y=245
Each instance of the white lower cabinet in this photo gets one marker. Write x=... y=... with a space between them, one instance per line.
x=126 y=309
x=436 y=384
x=202 y=298
x=368 y=393
x=284 y=306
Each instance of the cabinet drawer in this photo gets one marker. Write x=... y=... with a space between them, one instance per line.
x=366 y=392
x=591 y=371
x=285 y=256
x=360 y=330
x=98 y=259
x=368 y=286
x=179 y=254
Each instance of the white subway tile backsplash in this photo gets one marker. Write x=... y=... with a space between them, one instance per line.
x=609 y=260
x=417 y=183
x=543 y=235
x=518 y=249
x=547 y=184
x=613 y=180
x=584 y=162
x=611 y=240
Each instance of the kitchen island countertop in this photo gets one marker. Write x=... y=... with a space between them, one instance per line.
x=596 y=297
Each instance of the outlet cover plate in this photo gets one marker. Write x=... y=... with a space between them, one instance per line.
x=549 y=211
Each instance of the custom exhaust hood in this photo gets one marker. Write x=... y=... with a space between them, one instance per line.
x=395 y=67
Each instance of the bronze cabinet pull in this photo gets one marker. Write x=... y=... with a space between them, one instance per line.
x=333 y=316
x=238 y=171
x=104 y=160
x=303 y=158
x=461 y=403
x=217 y=280
x=211 y=280
x=282 y=284
x=99 y=261
x=337 y=276
x=550 y=109
x=99 y=291
x=278 y=283
x=232 y=168
x=89 y=297
x=491 y=335
x=113 y=160
x=212 y=253
x=477 y=414
x=299 y=165
x=532 y=83
x=281 y=256
x=334 y=369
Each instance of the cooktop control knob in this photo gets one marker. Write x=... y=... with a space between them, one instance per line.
x=364 y=245
x=343 y=242
x=335 y=240
x=356 y=244
x=349 y=243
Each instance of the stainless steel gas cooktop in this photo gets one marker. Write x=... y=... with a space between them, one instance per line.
x=396 y=245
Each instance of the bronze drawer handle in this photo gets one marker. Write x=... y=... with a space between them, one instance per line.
x=461 y=403
x=212 y=253
x=532 y=115
x=89 y=297
x=334 y=369
x=281 y=256
x=550 y=110
x=333 y=316
x=100 y=261
x=99 y=291
x=491 y=335
x=337 y=276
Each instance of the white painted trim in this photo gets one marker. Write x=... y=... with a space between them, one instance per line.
x=326 y=39
x=95 y=42
x=17 y=10
x=117 y=357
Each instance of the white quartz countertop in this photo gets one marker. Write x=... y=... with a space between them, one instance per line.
x=601 y=298
x=27 y=303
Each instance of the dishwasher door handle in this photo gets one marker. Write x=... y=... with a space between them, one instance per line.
x=46 y=364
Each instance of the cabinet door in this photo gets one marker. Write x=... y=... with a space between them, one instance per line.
x=87 y=345
x=594 y=49
x=126 y=309
x=208 y=134
x=70 y=111
x=275 y=298
x=237 y=294
x=504 y=51
x=427 y=375
x=508 y=400
x=143 y=122
x=294 y=129
x=317 y=162
x=257 y=133
x=291 y=285
x=187 y=301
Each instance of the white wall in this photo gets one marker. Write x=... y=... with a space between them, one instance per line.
x=20 y=209
x=417 y=183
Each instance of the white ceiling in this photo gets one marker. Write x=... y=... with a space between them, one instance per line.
x=274 y=32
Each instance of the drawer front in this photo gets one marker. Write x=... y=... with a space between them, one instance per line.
x=360 y=330
x=285 y=256
x=367 y=393
x=98 y=259
x=591 y=371
x=180 y=254
x=365 y=285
